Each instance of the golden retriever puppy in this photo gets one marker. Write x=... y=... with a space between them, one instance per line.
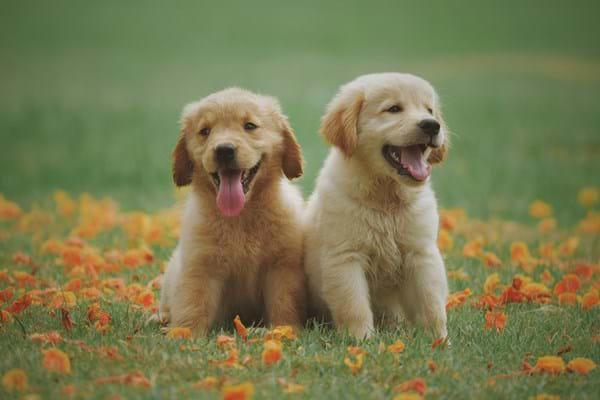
x=371 y=224
x=240 y=250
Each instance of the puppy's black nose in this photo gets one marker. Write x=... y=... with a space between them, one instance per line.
x=429 y=126
x=225 y=153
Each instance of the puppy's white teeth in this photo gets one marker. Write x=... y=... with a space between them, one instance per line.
x=395 y=157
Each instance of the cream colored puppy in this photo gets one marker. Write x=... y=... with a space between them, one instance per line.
x=372 y=222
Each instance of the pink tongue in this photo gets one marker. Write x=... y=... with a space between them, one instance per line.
x=230 y=198
x=412 y=160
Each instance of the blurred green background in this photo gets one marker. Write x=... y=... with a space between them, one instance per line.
x=90 y=92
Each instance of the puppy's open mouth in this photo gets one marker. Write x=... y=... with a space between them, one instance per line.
x=232 y=186
x=408 y=160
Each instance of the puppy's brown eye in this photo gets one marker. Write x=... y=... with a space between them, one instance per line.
x=249 y=126
x=204 y=131
x=394 y=109
x=429 y=110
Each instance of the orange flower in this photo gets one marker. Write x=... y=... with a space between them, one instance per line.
x=179 y=333
x=546 y=251
x=417 y=385
x=65 y=205
x=281 y=332
x=224 y=340
x=445 y=241
x=519 y=252
x=135 y=378
x=581 y=365
x=588 y=196
x=145 y=299
x=20 y=304
x=547 y=277
x=569 y=246
x=243 y=391
x=272 y=352
x=56 y=361
x=495 y=319
x=590 y=299
x=591 y=223
x=569 y=284
x=550 y=365
x=491 y=283
x=567 y=298
x=585 y=271
x=397 y=347
x=46 y=338
x=15 y=379
x=539 y=209
x=64 y=299
x=547 y=225
x=408 y=396
x=458 y=298
x=473 y=248
x=210 y=382
x=9 y=210
x=240 y=328
x=431 y=365
x=356 y=365
x=535 y=291
x=491 y=260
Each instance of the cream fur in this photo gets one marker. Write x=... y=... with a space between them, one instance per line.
x=370 y=243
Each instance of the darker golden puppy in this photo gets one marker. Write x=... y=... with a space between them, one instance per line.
x=240 y=250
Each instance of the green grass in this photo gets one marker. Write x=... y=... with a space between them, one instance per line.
x=90 y=99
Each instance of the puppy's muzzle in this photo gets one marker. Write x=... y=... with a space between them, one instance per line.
x=430 y=127
x=225 y=155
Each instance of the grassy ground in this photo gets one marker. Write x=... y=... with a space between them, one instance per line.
x=90 y=100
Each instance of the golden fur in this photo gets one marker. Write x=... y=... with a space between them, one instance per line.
x=370 y=245
x=249 y=265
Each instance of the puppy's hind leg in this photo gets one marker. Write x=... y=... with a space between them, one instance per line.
x=346 y=292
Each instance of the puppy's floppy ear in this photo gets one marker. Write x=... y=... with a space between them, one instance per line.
x=183 y=167
x=438 y=155
x=292 y=160
x=339 y=125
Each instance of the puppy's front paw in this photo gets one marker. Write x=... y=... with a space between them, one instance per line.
x=360 y=329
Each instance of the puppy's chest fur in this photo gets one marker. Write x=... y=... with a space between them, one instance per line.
x=390 y=241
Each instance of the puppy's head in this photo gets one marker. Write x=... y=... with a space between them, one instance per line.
x=232 y=141
x=390 y=121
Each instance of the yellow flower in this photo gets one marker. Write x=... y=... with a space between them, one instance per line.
x=491 y=282
x=581 y=365
x=588 y=196
x=15 y=379
x=550 y=365
x=539 y=209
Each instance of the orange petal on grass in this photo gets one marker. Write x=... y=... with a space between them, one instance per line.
x=495 y=319
x=473 y=248
x=590 y=299
x=179 y=333
x=588 y=196
x=15 y=379
x=356 y=365
x=408 y=396
x=549 y=365
x=431 y=365
x=540 y=209
x=397 y=347
x=569 y=284
x=457 y=298
x=240 y=328
x=20 y=304
x=135 y=378
x=272 y=353
x=581 y=365
x=491 y=260
x=567 y=299
x=281 y=332
x=210 y=382
x=224 y=340
x=290 y=387
x=417 y=385
x=491 y=282
x=46 y=338
x=56 y=360
x=243 y=391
